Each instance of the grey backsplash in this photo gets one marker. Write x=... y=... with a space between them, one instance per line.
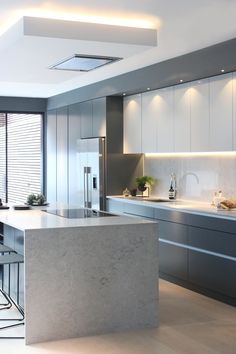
x=197 y=178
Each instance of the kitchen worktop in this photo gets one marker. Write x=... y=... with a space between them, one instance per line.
x=186 y=206
x=35 y=218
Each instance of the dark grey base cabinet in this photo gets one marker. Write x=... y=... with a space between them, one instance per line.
x=173 y=260
x=195 y=251
x=213 y=273
x=199 y=258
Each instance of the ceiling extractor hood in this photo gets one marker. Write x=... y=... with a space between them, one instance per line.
x=84 y=62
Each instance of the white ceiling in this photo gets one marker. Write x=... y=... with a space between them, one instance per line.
x=182 y=26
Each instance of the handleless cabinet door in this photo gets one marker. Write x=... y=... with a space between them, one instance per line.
x=149 y=121
x=173 y=256
x=165 y=120
x=86 y=119
x=182 y=118
x=132 y=124
x=221 y=113
x=200 y=116
x=73 y=166
x=62 y=151
x=51 y=156
x=99 y=117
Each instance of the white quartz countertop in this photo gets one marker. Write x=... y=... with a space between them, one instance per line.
x=187 y=206
x=35 y=219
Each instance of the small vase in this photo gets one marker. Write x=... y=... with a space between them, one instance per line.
x=133 y=192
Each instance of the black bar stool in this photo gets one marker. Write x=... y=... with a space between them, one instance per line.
x=8 y=259
x=5 y=249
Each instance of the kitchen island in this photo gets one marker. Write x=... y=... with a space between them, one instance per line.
x=86 y=276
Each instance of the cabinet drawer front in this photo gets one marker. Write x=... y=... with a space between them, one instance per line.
x=171 y=215
x=212 y=223
x=173 y=232
x=214 y=273
x=114 y=206
x=139 y=210
x=173 y=260
x=214 y=241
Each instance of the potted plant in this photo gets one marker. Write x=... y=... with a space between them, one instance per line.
x=36 y=199
x=142 y=182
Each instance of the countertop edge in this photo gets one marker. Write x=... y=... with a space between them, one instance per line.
x=176 y=206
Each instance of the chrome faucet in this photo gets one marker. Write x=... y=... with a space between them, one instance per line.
x=191 y=174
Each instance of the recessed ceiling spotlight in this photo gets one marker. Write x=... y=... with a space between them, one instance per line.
x=148 y=88
x=181 y=80
x=124 y=94
x=222 y=70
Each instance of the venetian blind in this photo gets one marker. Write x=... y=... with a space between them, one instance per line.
x=24 y=164
x=3 y=156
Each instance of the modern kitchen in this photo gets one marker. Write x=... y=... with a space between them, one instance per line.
x=117 y=178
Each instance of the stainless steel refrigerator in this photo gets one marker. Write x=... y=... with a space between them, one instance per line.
x=91 y=172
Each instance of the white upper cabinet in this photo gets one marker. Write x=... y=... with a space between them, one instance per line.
x=165 y=119
x=221 y=113
x=200 y=115
x=182 y=118
x=149 y=121
x=132 y=124
x=194 y=117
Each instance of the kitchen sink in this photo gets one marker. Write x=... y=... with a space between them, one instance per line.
x=158 y=200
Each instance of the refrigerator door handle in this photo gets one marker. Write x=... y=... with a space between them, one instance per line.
x=89 y=187
x=85 y=187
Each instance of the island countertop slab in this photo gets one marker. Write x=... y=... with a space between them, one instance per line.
x=37 y=220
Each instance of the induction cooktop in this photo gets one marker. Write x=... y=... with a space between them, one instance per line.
x=78 y=213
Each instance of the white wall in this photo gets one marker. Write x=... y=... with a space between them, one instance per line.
x=198 y=177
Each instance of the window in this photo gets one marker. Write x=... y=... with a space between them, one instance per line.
x=3 y=156
x=21 y=157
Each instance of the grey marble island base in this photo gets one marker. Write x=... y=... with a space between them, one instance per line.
x=87 y=280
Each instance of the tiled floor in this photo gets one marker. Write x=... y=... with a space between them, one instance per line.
x=190 y=324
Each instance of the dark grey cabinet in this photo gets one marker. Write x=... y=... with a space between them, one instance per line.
x=173 y=253
x=173 y=261
x=139 y=210
x=213 y=273
x=203 y=258
x=212 y=260
x=114 y=206
x=196 y=251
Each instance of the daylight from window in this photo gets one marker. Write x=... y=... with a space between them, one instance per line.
x=21 y=156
